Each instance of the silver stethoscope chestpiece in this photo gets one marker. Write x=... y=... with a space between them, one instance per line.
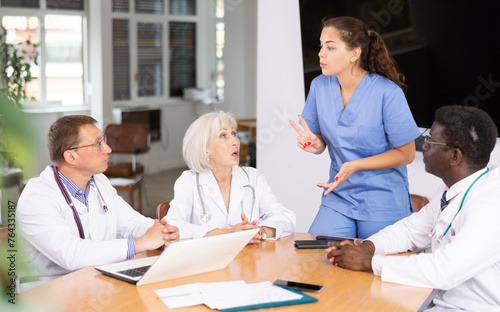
x=440 y=239
x=205 y=217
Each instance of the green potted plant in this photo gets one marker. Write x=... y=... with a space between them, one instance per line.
x=15 y=140
x=15 y=67
x=15 y=73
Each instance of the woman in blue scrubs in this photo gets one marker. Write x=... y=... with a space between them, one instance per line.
x=357 y=109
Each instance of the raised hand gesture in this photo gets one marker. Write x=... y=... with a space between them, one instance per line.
x=307 y=140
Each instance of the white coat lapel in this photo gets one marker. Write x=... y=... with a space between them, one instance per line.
x=239 y=179
x=211 y=192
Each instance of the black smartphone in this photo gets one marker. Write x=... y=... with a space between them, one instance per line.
x=298 y=286
x=333 y=238
x=311 y=244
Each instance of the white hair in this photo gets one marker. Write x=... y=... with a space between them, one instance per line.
x=474 y=134
x=200 y=134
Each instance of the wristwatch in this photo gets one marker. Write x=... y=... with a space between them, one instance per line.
x=263 y=233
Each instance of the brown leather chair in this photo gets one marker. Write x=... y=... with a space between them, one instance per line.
x=418 y=202
x=4 y=243
x=4 y=235
x=131 y=140
x=162 y=210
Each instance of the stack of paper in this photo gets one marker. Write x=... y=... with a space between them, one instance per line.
x=231 y=296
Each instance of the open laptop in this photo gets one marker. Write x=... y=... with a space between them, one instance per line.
x=181 y=259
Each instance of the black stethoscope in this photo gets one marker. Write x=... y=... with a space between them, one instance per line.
x=204 y=216
x=70 y=202
x=440 y=238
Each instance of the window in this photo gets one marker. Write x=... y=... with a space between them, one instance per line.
x=121 y=60
x=158 y=48
x=64 y=60
x=219 y=49
x=154 y=49
x=150 y=59
x=182 y=57
x=58 y=26
x=20 y=29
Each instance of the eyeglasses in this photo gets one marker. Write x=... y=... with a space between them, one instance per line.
x=100 y=144
x=428 y=140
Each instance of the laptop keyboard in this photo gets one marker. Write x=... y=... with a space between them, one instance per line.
x=135 y=272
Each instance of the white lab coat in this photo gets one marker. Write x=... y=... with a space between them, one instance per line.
x=465 y=266
x=52 y=243
x=186 y=207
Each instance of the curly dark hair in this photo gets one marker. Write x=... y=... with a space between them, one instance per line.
x=469 y=129
x=375 y=57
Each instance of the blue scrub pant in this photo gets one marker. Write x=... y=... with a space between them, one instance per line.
x=331 y=222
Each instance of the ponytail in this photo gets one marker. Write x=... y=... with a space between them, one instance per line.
x=378 y=60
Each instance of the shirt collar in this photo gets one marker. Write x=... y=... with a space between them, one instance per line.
x=74 y=189
x=463 y=184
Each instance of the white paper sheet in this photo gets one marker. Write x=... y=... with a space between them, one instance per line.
x=223 y=295
x=248 y=294
x=191 y=294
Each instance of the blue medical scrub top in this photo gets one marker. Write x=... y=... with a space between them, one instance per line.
x=376 y=119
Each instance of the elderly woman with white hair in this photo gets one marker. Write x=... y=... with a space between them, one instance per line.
x=216 y=195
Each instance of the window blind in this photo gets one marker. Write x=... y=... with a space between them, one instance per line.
x=121 y=60
x=149 y=57
x=182 y=57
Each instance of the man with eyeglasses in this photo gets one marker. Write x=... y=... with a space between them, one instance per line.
x=71 y=216
x=460 y=225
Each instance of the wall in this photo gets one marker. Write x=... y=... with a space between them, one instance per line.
x=292 y=173
x=240 y=58
x=100 y=86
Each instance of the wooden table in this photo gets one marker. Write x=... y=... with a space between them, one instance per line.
x=88 y=290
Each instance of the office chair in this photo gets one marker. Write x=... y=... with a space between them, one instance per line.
x=418 y=202
x=130 y=140
x=4 y=235
x=162 y=210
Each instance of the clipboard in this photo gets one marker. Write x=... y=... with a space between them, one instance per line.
x=305 y=299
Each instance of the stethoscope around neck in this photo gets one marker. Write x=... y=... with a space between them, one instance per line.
x=70 y=202
x=205 y=216
x=440 y=238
